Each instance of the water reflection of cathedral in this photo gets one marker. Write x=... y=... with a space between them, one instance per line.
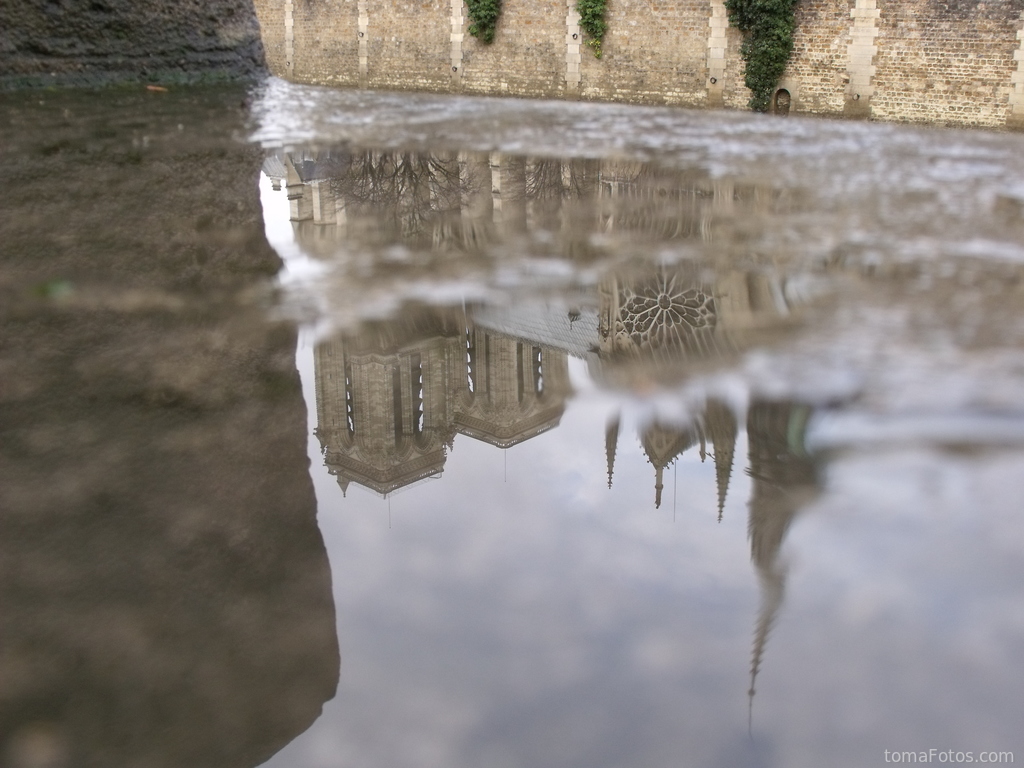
x=666 y=320
x=391 y=401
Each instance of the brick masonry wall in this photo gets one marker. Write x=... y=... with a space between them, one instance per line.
x=736 y=94
x=655 y=51
x=818 y=63
x=409 y=45
x=270 y=14
x=527 y=57
x=326 y=40
x=944 y=61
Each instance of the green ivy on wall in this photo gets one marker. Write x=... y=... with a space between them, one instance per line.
x=592 y=22
x=767 y=27
x=484 y=16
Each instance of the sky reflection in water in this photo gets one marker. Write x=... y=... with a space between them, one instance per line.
x=593 y=442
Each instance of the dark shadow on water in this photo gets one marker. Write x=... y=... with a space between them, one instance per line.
x=166 y=592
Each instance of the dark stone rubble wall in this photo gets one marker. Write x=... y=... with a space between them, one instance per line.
x=94 y=42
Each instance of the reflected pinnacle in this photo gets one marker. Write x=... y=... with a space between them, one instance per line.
x=611 y=441
x=658 y=485
x=721 y=427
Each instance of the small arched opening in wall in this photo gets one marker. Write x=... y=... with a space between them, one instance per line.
x=781 y=102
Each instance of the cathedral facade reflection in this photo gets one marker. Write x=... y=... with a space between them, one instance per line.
x=393 y=398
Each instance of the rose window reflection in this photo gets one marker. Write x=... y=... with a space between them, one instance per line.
x=665 y=309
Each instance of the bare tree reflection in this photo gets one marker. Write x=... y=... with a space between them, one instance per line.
x=472 y=200
x=405 y=193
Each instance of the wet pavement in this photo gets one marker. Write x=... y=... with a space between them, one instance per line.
x=638 y=436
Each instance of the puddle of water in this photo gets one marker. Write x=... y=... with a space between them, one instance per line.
x=680 y=444
x=637 y=436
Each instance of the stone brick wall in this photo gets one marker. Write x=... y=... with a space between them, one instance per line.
x=326 y=38
x=270 y=14
x=655 y=51
x=819 y=60
x=527 y=57
x=938 y=61
x=408 y=44
x=736 y=94
x=946 y=61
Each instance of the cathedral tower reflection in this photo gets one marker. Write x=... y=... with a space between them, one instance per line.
x=512 y=390
x=391 y=401
x=785 y=480
x=384 y=410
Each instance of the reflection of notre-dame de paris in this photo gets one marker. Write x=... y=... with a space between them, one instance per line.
x=392 y=398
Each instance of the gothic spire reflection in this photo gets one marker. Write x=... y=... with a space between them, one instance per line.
x=720 y=423
x=784 y=482
x=663 y=445
x=611 y=444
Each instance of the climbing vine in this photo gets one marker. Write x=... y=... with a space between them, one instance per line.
x=592 y=22
x=767 y=27
x=484 y=16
